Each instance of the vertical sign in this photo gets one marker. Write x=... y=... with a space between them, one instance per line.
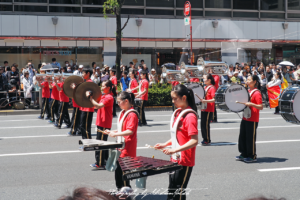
x=187 y=10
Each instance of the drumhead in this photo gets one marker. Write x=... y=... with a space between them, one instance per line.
x=236 y=93
x=296 y=104
x=197 y=89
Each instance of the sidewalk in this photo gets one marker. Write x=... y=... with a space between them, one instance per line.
x=37 y=111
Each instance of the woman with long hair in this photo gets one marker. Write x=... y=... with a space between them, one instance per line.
x=275 y=82
x=248 y=127
x=184 y=139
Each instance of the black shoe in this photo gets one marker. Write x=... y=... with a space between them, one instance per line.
x=145 y=124
x=78 y=133
x=67 y=126
x=47 y=118
x=276 y=113
x=115 y=116
x=57 y=126
x=40 y=117
x=140 y=124
x=70 y=134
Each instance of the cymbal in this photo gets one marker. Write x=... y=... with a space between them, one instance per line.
x=79 y=94
x=70 y=84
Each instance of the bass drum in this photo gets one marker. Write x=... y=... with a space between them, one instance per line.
x=197 y=89
x=227 y=95
x=289 y=102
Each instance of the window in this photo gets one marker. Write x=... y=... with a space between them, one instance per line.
x=245 y=4
x=65 y=1
x=294 y=4
x=293 y=15
x=246 y=14
x=5 y=8
x=272 y=15
x=194 y=13
x=272 y=5
x=31 y=8
x=134 y=2
x=218 y=3
x=32 y=1
x=217 y=14
x=64 y=9
x=93 y=2
x=6 y=1
x=132 y=11
x=194 y=3
x=160 y=3
x=92 y=10
x=159 y=12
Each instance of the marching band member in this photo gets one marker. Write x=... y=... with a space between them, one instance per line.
x=133 y=84
x=104 y=120
x=128 y=120
x=143 y=94
x=247 y=137
x=54 y=103
x=114 y=80
x=45 y=101
x=206 y=115
x=217 y=81
x=75 y=121
x=86 y=117
x=184 y=140
x=63 y=111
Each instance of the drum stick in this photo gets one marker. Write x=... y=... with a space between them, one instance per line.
x=98 y=130
x=239 y=102
x=147 y=145
x=197 y=96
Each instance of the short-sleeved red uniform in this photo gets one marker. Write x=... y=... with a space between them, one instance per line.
x=210 y=94
x=217 y=80
x=62 y=96
x=54 y=93
x=257 y=99
x=194 y=80
x=87 y=109
x=75 y=104
x=130 y=123
x=133 y=84
x=45 y=90
x=145 y=86
x=187 y=127
x=104 y=115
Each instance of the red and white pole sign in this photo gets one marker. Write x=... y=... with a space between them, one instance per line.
x=188 y=21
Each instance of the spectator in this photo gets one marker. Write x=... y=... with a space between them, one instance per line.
x=263 y=89
x=55 y=63
x=12 y=89
x=98 y=71
x=244 y=76
x=125 y=81
x=94 y=65
x=235 y=78
x=143 y=64
x=78 y=70
x=27 y=85
x=104 y=76
x=63 y=70
x=106 y=70
x=31 y=71
x=131 y=65
x=5 y=64
x=13 y=75
x=3 y=85
x=67 y=64
x=95 y=77
x=289 y=76
x=297 y=72
x=69 y=69
x=269 y=74
x=153 y=77
x=7 y=69
x=230 y=72
x=16 y=65
x=140 y=68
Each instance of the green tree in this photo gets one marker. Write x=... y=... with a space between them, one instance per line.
x=114 y=7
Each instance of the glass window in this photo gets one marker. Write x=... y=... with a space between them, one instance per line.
x=160 y=3
x=65 y=1
x=272 y=15
x=132 y=11
x=246 y=14
x=134 y=2
x=64 y=9
x=194 y=13
x=6 y=1
x=293 y=15
x=93 y=2
x=32 y=1
x=5 y=8
x=92 y=10
x=218 y=3
x=217 y=14
x=245 y=4
x=87 y=55
x=194 y=3
x=159 y=12
x=31 y=8
x=294 y=4
x=272 y=5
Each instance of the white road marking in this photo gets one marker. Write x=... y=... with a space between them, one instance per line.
x=279 y=169
x=38 y=153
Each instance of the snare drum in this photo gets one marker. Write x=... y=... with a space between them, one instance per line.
x=197 y=89
x=137 y=102
x=227 y=95
x=289 y=102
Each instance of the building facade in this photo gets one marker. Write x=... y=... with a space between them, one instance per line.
x=76 y=31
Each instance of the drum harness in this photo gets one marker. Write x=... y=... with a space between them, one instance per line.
x=247 y=111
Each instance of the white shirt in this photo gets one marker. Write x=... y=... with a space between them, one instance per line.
x=77 y=72
x=274 y=83
x=94 y=79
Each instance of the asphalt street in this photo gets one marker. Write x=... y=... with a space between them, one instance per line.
x=38 y=161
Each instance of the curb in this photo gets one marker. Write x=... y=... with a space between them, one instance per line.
x=38 y=111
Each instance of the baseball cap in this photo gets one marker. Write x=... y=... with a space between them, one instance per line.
x=80 y=66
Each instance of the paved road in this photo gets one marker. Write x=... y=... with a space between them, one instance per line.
x=38 y=161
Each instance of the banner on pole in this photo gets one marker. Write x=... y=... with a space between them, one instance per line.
x=187 y=21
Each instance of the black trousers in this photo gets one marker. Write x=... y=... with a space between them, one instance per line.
x=28 y=101
x=205 y=125
x=264 y=94
x=141 y=112
x=178 y=183
x=277 y=109
x=54 y=106
x=215 y=118
x=63 y=113
x=247 y=139
x=119 y=178
x=86 y=119
x=102 y=155
x=114 y=107
x=45 y=108
x=75 y=121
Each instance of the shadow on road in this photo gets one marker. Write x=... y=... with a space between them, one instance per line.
x=150 y=197
x=270 y=160
x=154 y=125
